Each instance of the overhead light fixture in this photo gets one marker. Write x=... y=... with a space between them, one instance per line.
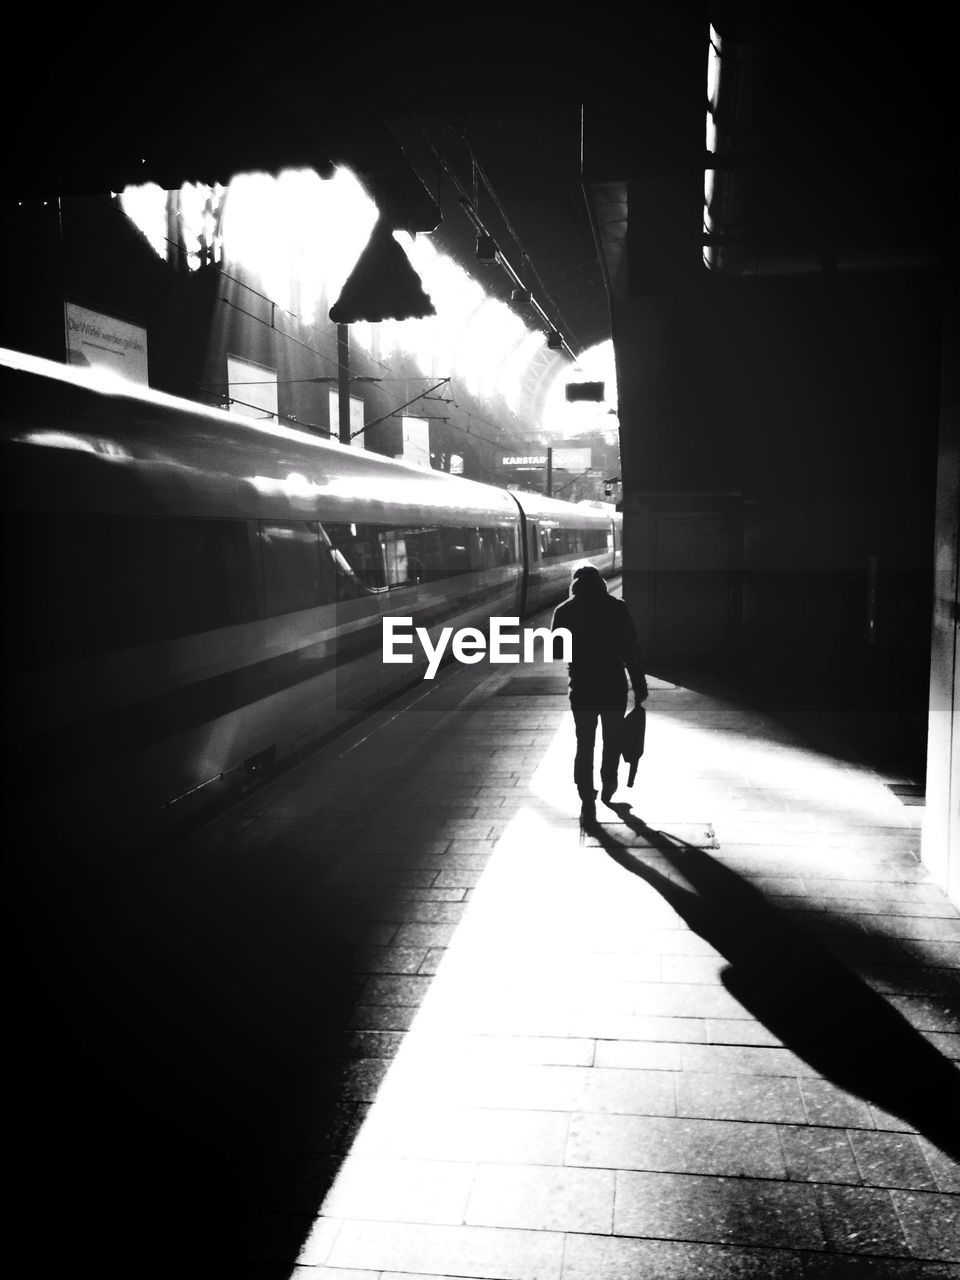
x=520 y=295
x=554 y=340
x=486 y=248
x=584 y=391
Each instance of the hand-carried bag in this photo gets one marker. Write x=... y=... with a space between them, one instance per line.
x=632 y=735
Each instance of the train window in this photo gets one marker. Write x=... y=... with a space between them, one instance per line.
x=487 y=546
x=497 y=547
x=359 y=556
x=412 y=555
x=560 y=542
x=291 y=566
x=347 y=586
x=174 y=577
x=533 y=542
x=555 y=542
x=53 y=587
x=375 y=557
x=458 y=550
x=96 y=584
x=505 y=545
x=339 y=579
x=474 y=540
x=425 y=553
x=399 y=565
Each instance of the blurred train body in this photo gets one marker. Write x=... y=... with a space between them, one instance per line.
x=195 y=597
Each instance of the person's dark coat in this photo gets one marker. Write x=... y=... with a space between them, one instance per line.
x=605 y=647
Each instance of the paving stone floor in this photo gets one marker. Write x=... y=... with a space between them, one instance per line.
x=716 y=1036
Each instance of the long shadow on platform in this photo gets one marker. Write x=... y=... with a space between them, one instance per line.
x=185 y=1075
x=814 y=1004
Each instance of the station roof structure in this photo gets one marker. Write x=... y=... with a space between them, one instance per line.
x=490 y=107
x=97 y=105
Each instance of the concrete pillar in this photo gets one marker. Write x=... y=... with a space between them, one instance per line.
x=940 y=847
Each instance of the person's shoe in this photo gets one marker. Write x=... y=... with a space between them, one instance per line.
x=588 y=813
x=607 y=795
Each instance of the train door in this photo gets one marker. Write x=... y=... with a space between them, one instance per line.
x=533 y=545
x=532 y=534
x=529 y=560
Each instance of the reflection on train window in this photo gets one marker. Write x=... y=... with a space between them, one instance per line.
x=500 y=546
x=571 y=542
x=200 y=575
x=412 y=555
x=378 y=556
x=458 y=548
x=397 y=562
x=425 y=548
x=94 y=584
x=290 y=555
x=358 y=556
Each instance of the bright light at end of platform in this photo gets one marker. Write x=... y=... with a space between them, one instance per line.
x=565 y=418
x=473 y=336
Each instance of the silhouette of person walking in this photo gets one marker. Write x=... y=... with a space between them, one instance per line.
x=605 y=652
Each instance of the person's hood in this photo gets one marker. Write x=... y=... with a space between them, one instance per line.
x=588 y=584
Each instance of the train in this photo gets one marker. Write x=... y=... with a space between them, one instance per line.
x=195 y=598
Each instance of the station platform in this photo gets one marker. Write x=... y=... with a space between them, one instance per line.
x=397 y=1015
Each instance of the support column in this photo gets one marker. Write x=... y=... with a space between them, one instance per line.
x=940 y=848
x=343 y=381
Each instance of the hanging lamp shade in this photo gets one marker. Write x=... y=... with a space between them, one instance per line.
x=382 y=285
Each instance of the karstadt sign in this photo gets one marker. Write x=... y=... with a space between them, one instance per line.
x=564 y=459
x=524 y=460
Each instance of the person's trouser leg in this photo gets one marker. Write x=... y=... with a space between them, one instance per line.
x=586 y=723
x=610 y=722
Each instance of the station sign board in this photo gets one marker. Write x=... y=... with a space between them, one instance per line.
x=104 y=342
x=252 y=389
x=564 y=459
x=571 y=459
x=416 y=441
x=357 y=438
x=584 y=391
x=523 y=460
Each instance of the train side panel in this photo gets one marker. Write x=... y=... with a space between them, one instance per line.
x=197 y=599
